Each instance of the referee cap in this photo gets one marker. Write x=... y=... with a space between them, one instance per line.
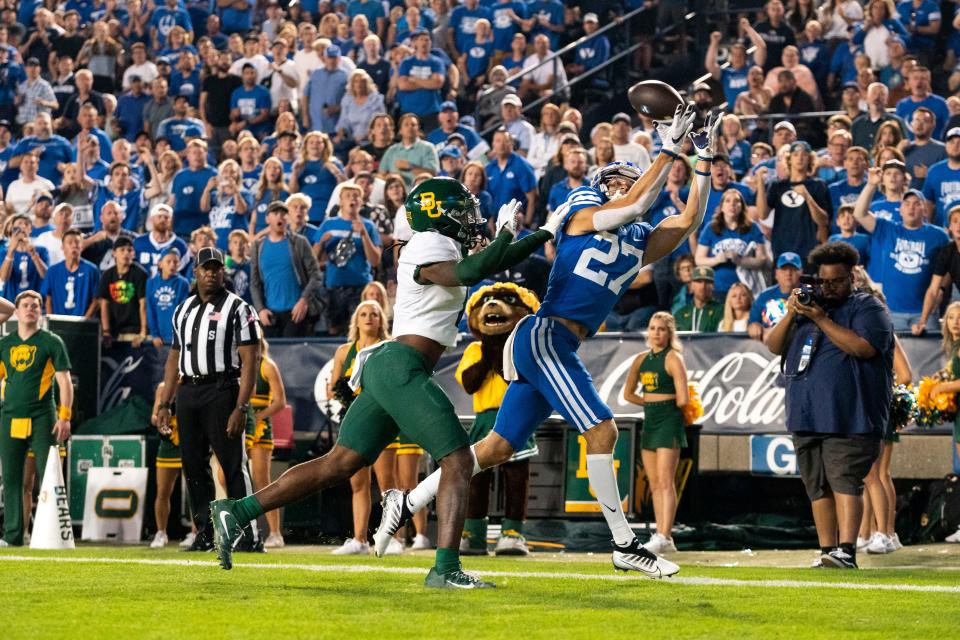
x=209 y=254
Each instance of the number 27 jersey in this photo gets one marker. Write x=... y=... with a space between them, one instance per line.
x=592 y=271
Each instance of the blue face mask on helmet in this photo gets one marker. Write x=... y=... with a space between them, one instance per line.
x=620 y=170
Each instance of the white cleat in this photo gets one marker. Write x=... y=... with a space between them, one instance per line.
x=159 y=541
x=352 y=547
x=512 y=545
x=274 y=541
x=953 y=537
x=188 y=540
x=421 y=543
x=880 y=543
x=634 y=557
x=863 y=542
x=395 y=514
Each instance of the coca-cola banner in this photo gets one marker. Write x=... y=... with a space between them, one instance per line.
x=738 y=377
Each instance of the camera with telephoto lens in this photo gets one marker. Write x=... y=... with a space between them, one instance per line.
x=809 y=292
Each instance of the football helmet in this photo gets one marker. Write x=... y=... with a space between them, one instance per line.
x=446 y=206
x=620 y=170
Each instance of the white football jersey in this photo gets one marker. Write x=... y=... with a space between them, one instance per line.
x=430 y=310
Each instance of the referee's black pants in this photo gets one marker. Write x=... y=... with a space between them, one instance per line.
x=202 y=413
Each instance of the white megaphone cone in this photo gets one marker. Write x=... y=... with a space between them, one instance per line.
x=51 y=525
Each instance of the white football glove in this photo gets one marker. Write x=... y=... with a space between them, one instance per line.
x=509 y=217
x=672 y=133
x=554 y=220
x=706 y=140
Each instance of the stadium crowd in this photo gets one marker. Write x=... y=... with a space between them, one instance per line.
x=133 y=134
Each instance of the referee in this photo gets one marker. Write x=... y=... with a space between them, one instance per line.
x=215 y=353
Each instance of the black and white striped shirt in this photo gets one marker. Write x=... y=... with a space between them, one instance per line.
x=208 y=334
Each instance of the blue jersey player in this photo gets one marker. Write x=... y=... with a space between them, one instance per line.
x=601 y=245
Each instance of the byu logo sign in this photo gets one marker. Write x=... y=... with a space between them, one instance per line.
x=773 y=456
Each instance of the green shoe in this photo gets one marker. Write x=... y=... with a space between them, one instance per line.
x=456 y=579
x=227 y=532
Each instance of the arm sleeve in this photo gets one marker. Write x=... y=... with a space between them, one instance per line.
x=478 y=266
x=518 y=251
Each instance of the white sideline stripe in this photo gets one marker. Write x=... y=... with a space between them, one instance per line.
x=352 y=568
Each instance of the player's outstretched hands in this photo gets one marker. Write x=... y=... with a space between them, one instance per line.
x=706 y=140
x=672 y=133
x=554 y=220
x=509 y=217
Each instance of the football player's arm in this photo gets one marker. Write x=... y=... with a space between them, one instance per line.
x=470 y=270
x=673 y=230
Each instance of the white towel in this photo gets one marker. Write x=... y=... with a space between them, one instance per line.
x=358 y=363
x=510 y=371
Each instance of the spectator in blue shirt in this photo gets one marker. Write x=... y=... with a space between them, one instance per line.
x=323 y=94
x=11 y=75
x=373 y=10
x=236 y=16
x=770 y=306
x=508 y=15
x=350 y=250
x=22 y=265
x=180 y=127
x=118 y=189
x=475 y=60
x=922 y=96
x=901 y=255
x=590 y=54
x=88 y=129
x=165 y=18
x=449 y=123
x=942 y=185
x=56 y=150
x=315 y=174
x=129 y=111
x=731 y=244
x=419 y=80
x=463 y=25
x=149 y=247
x=922 y=19
x=855 y=163
x=165 y=291
x=848 y=233
x=250 y=105
x=188 y=187
x=733 y=77
x=510 y=176
x=227 y=203
x=185 y=80
x=575 y=163
x=70 y=287
x=546 y=17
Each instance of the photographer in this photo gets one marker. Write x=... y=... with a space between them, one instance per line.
x=837 y=359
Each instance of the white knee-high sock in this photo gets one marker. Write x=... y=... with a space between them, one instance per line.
x=604 y=483
x=424 y=493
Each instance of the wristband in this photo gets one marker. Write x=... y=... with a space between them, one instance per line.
x=702 y=173
x=670 y=153
x=64 y=413
x=163 y=405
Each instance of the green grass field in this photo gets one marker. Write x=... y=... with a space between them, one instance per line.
x=299 y=592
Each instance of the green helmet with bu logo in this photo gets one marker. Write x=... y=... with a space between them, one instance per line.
x=446 y=206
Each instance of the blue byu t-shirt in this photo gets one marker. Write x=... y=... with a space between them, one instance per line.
x=743 y=244
x=163 y=296
x=71 y=292
x=188 y=186
x=902 y=260
x=942 y=186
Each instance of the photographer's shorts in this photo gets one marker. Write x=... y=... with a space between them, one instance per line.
x=836 y=463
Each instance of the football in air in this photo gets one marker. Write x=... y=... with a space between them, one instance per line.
x=655 y=99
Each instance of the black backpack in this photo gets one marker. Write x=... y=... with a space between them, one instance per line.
x=941 y=517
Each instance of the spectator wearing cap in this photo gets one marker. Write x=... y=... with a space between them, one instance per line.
x=120 y=189
x=164 y=18
x=702 y=100
x=23 y=192
x=188 y=187
x=449 y=124
x=70 y=285
x=252 y=55
x=98 y=245
x=52 y=240
x=22 y=264
x=800 y=204
x=851 y=99
x=150 y=247
x=122 y=294
x=42 y=212
x=703 y=314
x=463 y=25
x=180 y=126
x=52 y=151
x=864 y=128
x=185 y=79
x=901 y=254
x=419 y=80
x=159 y=108
x=34 y=95
x=140 y=67
x=411 y=155
x=539 y=79
x=165 y=290
x=941 y=187
x=769 y=307
x=361 y=101
x=284 y=279
x=924 y=151
x=250 y=105
x=513 y=121
x=215 y=94
x=323 y=93
x=922 y=96
x=284 y=80
x=624 y=148
x=510 y=176
x=451 y=162
x=591 y=54
x=129 y=112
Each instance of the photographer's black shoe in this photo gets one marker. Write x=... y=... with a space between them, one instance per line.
x=838 y=559
x=200 y=543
